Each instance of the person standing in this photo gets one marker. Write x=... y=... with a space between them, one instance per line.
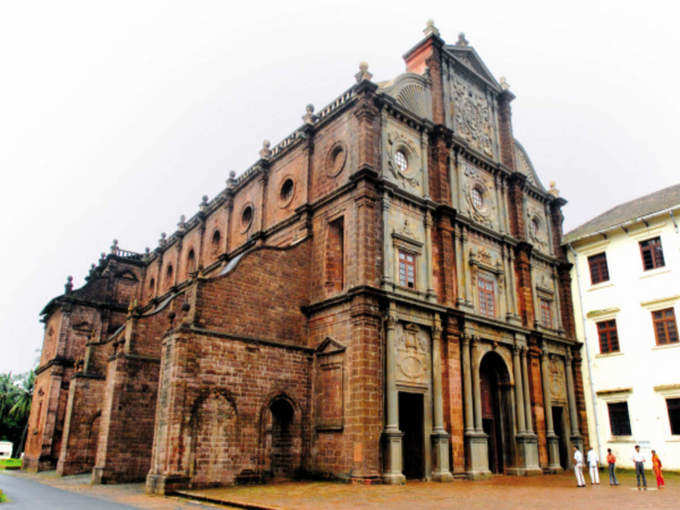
x=656 y=465
x=639 y=461
x=578 y=467
x=611 y=463
x=594 y=467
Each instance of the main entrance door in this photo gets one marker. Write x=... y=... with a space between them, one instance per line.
x=413 y=442
x=558 y=425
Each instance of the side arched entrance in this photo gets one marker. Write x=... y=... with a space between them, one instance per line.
x=280 y=440
x=497 y=411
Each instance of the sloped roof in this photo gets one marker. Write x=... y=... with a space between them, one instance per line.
x=623 y=213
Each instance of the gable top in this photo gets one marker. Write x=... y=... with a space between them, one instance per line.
x=468 y=57
x=524 y=165
x=633 y=210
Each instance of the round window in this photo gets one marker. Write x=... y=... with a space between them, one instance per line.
x=287 y=189
x=477 y=198
x=247 y=217
x=535 y=227
x=401 y=161
x=337 y=160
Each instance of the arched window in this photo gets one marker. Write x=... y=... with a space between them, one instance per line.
x=191 y=261
x=216 y=241
x=168 y=275
x=152 y=284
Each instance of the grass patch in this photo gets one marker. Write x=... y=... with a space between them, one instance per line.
x=10 y=463
x=3 y=498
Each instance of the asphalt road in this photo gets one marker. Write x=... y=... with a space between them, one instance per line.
x=29 y=495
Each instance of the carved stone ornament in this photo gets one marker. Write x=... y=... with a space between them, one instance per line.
x=412 y=353
x=475 y=183
x=557 y=380
x=472 y=116
x=537 y=228
x=397 y=142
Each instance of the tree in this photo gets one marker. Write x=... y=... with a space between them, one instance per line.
x=15 y=406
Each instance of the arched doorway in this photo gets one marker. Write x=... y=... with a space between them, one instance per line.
x=280 y=442
x=495 y=388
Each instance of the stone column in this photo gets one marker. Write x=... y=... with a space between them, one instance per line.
x=461 y=291
x=465 y=269
x=428 y=256
x=388 y=256
x=527 y=394
x=573 y=415
x=440 y=438
x=519 y=395
x=476 y=440
x=551 y=438
x=392 y=434
x=424 y=151
x=467 y=385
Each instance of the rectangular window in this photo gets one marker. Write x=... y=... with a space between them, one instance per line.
x=665 y=328
x=619 y=420
x=652 y=254
x=487 y=302
x=407 y=269
x=609 y=338
x=546 y=313
x=674 y=414
x=335 y=255
x=598 y=268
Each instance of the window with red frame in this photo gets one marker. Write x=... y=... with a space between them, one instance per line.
x=609 y=338
x=487 y=302
x=652 y=253
x=546 y=313
x=598 y=268
x=665 y=327
x=407 y=269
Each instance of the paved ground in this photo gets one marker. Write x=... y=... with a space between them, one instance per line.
x=498 y=493
x=37 y=491
x=29 y=495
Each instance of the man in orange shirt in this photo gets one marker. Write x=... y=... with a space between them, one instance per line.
x=611 y=462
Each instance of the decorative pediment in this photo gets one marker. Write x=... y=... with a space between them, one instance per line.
x=472 y=61
x=524 y=166
x=329 y=346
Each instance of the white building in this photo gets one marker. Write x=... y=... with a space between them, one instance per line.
x=626 y=294
x=5 y=449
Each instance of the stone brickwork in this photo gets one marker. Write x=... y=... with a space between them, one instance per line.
x=380 y=296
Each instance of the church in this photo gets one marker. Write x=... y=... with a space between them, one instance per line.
x=382 y=296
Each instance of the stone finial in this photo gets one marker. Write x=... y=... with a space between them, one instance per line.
x=181 y=225
x=114 y=246
x=309 y=117
x=462 y=41
x=147 y=251
x=69 y=285
x=162 y=240
x=363 y=73
x=102 y=256
x=231 y=181
x=553 y=190
x=265 y=151
x=504 y=83
x=430 y=28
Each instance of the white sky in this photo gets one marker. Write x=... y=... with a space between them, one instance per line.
x=115 y=117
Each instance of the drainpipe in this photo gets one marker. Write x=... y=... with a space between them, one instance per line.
x=585 y=345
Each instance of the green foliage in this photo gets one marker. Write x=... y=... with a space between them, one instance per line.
x=10 y=463
x=15 y=406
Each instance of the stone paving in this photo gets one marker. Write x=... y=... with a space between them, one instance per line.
x=498 y=493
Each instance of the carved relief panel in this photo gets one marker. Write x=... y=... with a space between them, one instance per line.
x=403 y=156
x=479 y=195
x=558 y=385
x=413 y=354
x=538 y=230
x=472 y=115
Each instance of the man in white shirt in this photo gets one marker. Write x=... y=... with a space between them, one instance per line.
x=578 y=467
x=594 y=467
x=639 y=461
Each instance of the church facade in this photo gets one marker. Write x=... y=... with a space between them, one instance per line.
x=381 y=296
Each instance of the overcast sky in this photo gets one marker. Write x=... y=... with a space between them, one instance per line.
x=116 y=117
